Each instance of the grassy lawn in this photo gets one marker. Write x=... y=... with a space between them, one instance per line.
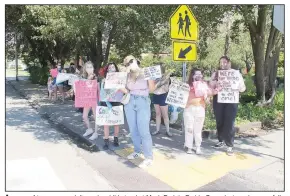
x=12 y=73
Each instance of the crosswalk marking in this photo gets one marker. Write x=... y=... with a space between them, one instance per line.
x=190 y=176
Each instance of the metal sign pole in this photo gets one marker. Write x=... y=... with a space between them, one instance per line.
x=183 y=80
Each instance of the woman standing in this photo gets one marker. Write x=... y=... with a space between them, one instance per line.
x=88 y=73
x=225 y=113
x=110 y=68
x=138 y=111
x=194 y=112
x=159 y=98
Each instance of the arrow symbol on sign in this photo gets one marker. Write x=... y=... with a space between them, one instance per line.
x=182 y=53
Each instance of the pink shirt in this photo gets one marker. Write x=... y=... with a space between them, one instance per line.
x=140 y=87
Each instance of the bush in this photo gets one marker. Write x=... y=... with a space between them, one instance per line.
x=38 y=75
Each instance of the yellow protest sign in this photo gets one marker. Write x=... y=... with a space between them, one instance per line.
x=183 y=24
x=184 y=51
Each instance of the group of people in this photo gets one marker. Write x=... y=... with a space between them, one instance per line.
x=136 y=102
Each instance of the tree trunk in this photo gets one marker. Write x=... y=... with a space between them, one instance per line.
x=16 y=56
x=111 y=36
x=99 y=54
x=257 y=33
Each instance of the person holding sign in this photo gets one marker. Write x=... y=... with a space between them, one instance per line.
x=88 y=73
x=224 y=103
x=194 y=112
x=138 y=111
x=110 y=100
x=159 y=98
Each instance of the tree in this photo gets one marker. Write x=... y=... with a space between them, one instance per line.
x=265 y=50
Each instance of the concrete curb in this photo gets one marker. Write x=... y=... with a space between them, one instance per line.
x=79 y=139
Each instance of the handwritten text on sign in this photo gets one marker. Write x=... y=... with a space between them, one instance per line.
x=178 y=94
x=152 y=73
x=86 y=92
x=229 y=83
x=116 y=80
x=107 y=116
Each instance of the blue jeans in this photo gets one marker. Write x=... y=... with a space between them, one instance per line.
x=138 y=115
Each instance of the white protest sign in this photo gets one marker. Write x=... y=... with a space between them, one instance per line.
x=107 y=116
x=116 y=80
x=152 y=73
x=61 y=77
x=229 y=83
x=72 y=79
x=178 y=93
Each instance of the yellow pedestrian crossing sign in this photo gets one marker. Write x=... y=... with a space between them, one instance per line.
x=184 y=51
x=183 y=24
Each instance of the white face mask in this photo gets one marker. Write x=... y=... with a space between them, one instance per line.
x=111 y=68
x=197 y=76
x=133 y=66
x=58 y=67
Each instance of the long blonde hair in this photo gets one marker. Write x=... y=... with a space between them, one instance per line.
x=84 y=68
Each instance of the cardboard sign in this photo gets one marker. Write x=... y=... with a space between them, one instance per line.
x=229 y=83
x=61 y=77
x=107 y=116
x=72 y=79
x=116 y=80
x=86 y=93
x=152 y=73
x=111 y=95
x=178 y=93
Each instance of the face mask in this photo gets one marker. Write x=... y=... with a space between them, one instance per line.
x=59 y=67
x=133 y=67
x=111 y=68
x=197 y=78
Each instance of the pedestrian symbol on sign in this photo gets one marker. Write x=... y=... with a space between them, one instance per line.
x=183 y=24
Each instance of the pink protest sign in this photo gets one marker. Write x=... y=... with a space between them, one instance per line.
x=54 y=72
x=200 y=89
x=86 y=93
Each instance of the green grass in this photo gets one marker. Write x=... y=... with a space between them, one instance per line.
x=12 y=73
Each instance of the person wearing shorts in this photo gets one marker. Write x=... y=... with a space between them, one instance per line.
x=158 y=99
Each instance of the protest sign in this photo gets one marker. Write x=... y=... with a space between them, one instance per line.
x=61 y=77
x=152 y=73
x=178 y=94
x=111 y=95
x=229 y=83
x=72 y=79
x=116 y=80
x=86 y=93
x=107 y=116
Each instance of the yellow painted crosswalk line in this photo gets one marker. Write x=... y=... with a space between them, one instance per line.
x=183 y=176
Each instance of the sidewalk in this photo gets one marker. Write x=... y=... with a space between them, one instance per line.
x=171 y=164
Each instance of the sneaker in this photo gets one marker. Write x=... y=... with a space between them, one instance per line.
x=169 y=133
x=155 y=133
x=146 y=163
x=198 y=151
x=106 y=146
x=189 y=151
x=219 y=145
x=230 y=151
x=132 y=156
x=88 y=132
x=116 y=142
x=94 y=136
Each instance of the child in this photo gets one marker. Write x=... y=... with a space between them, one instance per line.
x=50 y=87
x=194 y=113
